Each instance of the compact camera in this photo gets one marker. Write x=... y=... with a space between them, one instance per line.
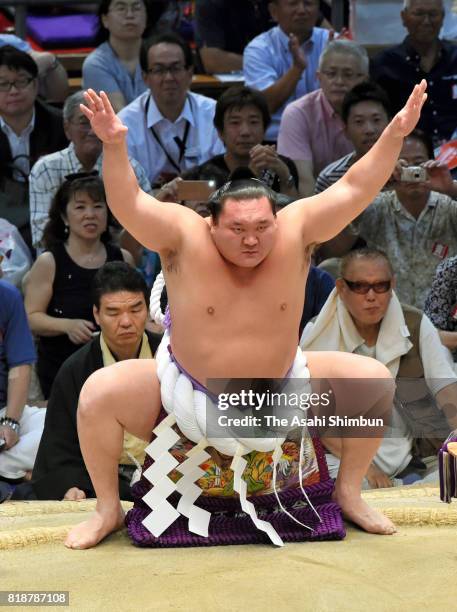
x=413 y=174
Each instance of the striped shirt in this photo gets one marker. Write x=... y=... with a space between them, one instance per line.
x=49 y=173
x=333 y=172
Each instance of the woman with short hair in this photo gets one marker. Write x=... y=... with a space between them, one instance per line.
x=114 y=65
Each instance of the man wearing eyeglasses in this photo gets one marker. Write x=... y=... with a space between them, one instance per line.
x=364 y=316
x=342 y=65
x=422 y=55
x=84 y=154
x=28 y=130
x=170 y=128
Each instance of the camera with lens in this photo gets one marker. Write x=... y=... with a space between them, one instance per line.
x=413 y=174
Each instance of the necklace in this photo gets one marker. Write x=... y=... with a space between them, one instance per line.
x=90 y=260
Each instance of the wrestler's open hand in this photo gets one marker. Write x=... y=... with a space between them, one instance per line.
x=104 y=122
x=406 y=120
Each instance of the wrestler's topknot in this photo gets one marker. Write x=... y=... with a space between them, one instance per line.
x=243 y=185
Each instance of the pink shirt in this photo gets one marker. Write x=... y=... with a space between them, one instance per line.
x=311 y=130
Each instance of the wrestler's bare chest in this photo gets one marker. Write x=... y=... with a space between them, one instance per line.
x=232 y=323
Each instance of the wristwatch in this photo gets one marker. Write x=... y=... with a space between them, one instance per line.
x=11 y=423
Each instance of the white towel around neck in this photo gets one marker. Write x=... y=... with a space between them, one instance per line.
x=334 y=330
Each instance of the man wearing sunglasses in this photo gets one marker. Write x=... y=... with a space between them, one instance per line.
x=364 y=316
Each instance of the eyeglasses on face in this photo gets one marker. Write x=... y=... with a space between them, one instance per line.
x=363 y=288
x=82 y=123
x=20 y=83
x=161 y=69
x=305 y=3
x=123 y=9
x=432 y=15
x=346 y=75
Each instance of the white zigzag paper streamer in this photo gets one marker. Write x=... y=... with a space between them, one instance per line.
x=198 y=518
x=163 y=513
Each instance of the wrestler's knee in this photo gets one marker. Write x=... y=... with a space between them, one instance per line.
x=379 y=378
x=111 y=388
x=372 y=368
x=98 y=391
x=323 y=364
x=89 y=394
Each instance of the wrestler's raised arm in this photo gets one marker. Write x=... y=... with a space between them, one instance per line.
x=325 y=215
x=157 y=225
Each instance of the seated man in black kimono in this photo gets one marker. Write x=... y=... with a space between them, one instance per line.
x=120 y=301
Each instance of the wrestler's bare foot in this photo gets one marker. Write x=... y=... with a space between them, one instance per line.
x=98 y=526
x=355 y=509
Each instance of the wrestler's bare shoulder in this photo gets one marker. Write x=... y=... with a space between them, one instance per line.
x=193 y=221
x=294 y=220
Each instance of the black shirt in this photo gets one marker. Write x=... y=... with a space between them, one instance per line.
x=230 y=24
x=59 y=464
x=71 y=299
x=215 y=169
x=398 y=69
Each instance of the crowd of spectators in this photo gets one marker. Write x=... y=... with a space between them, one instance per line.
x=311 y=104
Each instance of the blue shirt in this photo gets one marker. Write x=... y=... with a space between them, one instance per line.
x=15 y=41
x=16 y=342
x=103 y=70
x=267 y=58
